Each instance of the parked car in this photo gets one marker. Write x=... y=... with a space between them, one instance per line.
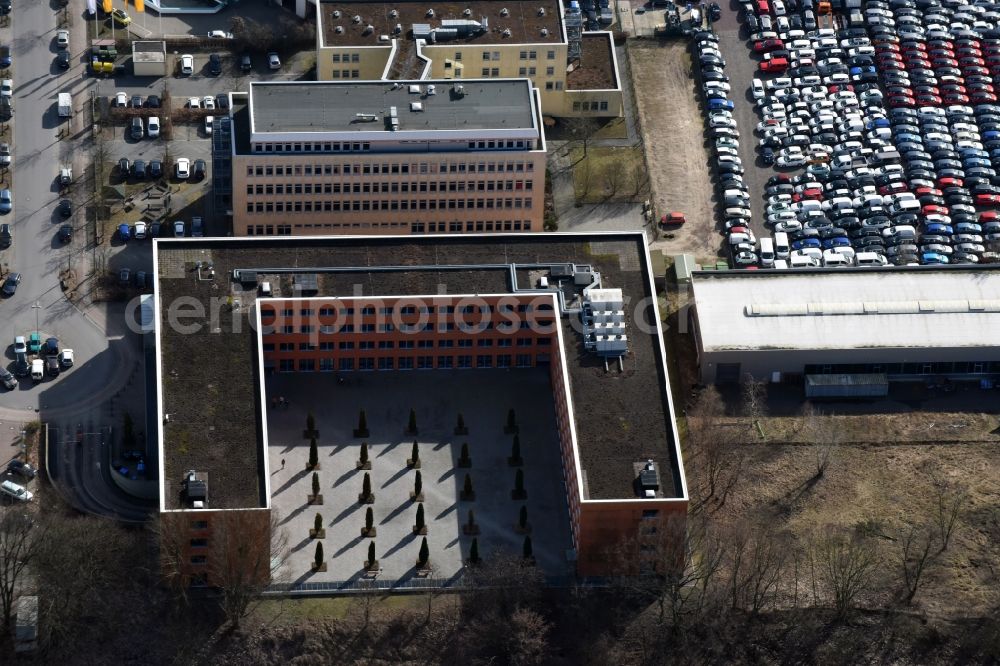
x=187 y=64
x=16 y=491
x=10 y=284
x=273 y=61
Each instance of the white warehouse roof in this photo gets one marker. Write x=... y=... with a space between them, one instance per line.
x=848 y=309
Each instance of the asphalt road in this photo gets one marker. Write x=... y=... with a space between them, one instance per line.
x=741 y=67
x=105 y=352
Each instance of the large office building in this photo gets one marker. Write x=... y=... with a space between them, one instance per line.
x=849 y=327
x=575 y=71
x=378 y=157
x=577 y=311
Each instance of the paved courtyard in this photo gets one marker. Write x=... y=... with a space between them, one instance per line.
x=483 y=397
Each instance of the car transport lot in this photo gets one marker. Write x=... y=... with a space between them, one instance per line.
x=884 y=126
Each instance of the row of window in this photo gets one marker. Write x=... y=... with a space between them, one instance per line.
x=356 y=146
x=557 y=85
x=268 y=170
x=415 y=227
x=371 y=310
x=406 y=363
x=348 y=345
x=920 y=368
x=346 y=57
x=346 y=74
x=391 y=187
x=441 y=327
x=384 y=204
x=590 y=106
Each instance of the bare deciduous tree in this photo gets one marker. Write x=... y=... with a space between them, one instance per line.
x=527 y=638
x=18 y=539
x=757 y=558
x=847 y=566
x=915 y=555
x=949 y=499
x=715 y=454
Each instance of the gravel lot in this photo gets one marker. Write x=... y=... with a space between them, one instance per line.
x=673 y=129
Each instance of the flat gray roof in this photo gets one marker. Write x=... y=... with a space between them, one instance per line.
x=332 y=106
x=918 y=307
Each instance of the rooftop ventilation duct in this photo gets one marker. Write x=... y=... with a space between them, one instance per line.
x=504 y=12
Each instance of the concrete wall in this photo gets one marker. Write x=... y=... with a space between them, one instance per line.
x=507 y=195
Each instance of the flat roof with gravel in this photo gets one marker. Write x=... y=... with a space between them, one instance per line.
x=364 y=106
x=209 y=384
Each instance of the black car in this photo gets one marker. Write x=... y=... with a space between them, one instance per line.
x=153 y=102
x=245 y=63
x=139 y=169
x=214 y=64
x=10 y=284
x=66 y=233
x=155 y=169
x=767 y=155
x=21 y=365
x=65 y=208
x=136 y=101
x=714 y=11
x=199 y=169
x=7 y=379
x=6 y=237
x=124 y=166
x=5 y=7
x=21 y=468
x=62 y=59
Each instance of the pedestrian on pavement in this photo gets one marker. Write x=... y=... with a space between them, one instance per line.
x=282 y=463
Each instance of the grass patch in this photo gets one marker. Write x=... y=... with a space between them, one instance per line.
x=330 y=608
x=608 y=174
x=614 y=128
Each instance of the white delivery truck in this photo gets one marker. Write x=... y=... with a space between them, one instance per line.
x=65 y=105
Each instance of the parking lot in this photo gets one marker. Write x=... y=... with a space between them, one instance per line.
x=875 y=132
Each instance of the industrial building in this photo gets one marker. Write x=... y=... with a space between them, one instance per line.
x=379 y=157
x=579 y=308
x=868 y=327
x=575 y=71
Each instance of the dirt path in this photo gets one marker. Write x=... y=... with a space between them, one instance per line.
x=673 y=130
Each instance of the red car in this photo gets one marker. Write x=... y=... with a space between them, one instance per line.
x=944 y=62
x=926 y=99
x=989 y=216
x=763 y=7
x=955 y=99
x=897 y=101
x=933 y=191
x=837 y=88
x=879 y=48
x=672 y=220
x=775 y=66
x=918 y=63
x=950 y=182
x=983 y=97
x=935 y=210
x=991 y=200
x=971 y=60
x=765 y=45
x=892 y=188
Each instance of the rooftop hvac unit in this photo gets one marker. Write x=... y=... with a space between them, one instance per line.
x=444 y=34
x=605 y=299
x=506 y=32
x=545 y=32
x=416 y=107
x=338 y=29
x=648 y=478
x=466 y=12
x=541 y=11
x=464 y=27
x=393 y=119
x=356 y=18
x=421 y=31
x=336 y=13
x=431 y=90
x=504 y=12
x=366 y=117
x=369 y=29
x=393 y=13
x=398 y=29
x=459 y=90
x=415 y=89
x=383 y=38
x=611 y=345
x=430 y=13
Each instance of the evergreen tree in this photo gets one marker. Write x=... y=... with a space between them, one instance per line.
x=319 y=554
x=418 y=484
x=318 y=524
x=467 y=488
x=315 y=484
x=369 y=519
x=519 y=482
x=522 y=519
x=464 y=458
x=411 y=426
x=424 y=554
x=364 y=453
x=414 y=453
x=527 y=548
x=511 y=419
x=420 y=517
x=472 y=519
x=371 y=553
x=474 y=551
x=366 y=486
x=461 y=423
x=313 y=453
x=362 y=421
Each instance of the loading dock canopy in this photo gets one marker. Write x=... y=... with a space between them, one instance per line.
x=870 y=385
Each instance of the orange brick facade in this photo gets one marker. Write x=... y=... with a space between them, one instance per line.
x=406 y=333
x=210 y=547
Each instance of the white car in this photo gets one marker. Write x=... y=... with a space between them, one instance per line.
x=194 y=102
x=121 y=99
x=219 y=34
x=14 y=490
x=183 y=168
x=208 y=124
x=153 y=127
x=66 y=358
x=721 y=121
x=187 y=64
x=62 y=39
x=791 y=160
x=208 y=102
x=273 y=61
x=757 y=88
x=7 y=88
x=139 y=230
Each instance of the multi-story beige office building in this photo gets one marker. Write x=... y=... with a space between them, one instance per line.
x=383 y=157
x=575 y=71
